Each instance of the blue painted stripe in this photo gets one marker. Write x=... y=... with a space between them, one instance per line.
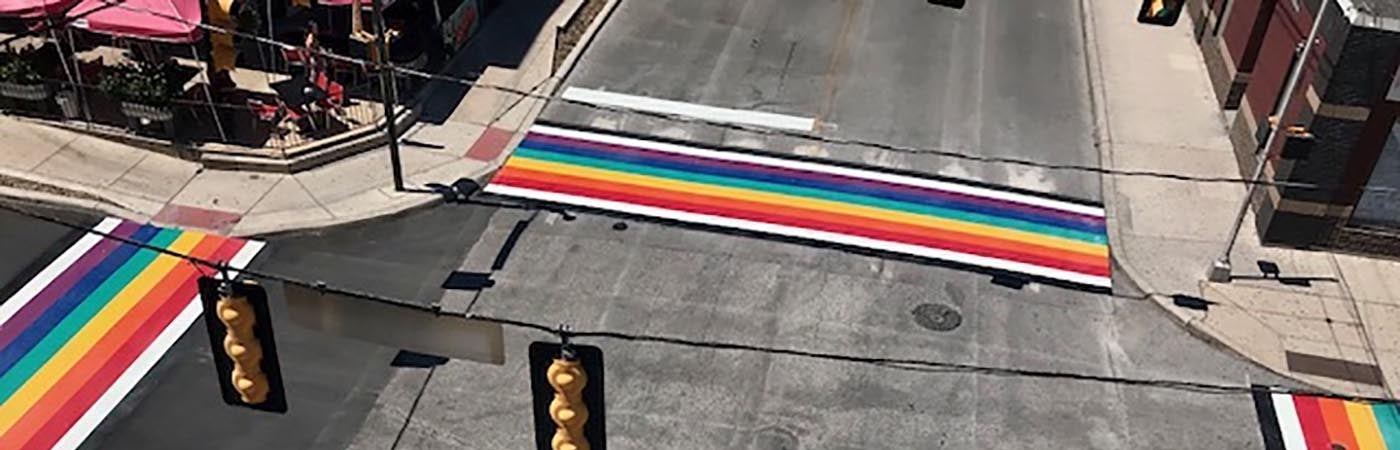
x=1388 y=420
x=699 y=165
x=71 y=299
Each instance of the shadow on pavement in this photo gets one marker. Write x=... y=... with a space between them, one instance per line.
x=504 y=39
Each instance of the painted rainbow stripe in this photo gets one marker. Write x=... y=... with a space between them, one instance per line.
x=871 y=209
x=79 y=335
x=1304 y=422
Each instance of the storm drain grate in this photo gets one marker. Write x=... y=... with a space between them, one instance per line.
x=937 y=317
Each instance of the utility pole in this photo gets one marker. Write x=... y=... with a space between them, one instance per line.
x=1220 y=270
x=388 y=87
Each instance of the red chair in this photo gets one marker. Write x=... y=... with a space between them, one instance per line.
x=265 y=113
x=297 y=57
x=335 y=94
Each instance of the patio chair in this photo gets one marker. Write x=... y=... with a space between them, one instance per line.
x=335 y=94
x=270 y=115
x=297 y=57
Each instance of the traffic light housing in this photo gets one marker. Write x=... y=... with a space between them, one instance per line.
x=241 y=340
x=1161 y=12
x=568 y=397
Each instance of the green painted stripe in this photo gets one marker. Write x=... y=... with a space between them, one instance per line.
x=933 y=211
x=1388 y=420
x=84 y=312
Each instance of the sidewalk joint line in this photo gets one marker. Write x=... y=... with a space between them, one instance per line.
x=128 y=170
x=315 y=200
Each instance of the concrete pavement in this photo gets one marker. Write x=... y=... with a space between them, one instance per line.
x=1325 y=319
x=464 y=135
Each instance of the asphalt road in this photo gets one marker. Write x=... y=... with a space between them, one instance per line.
x=998 y=78
x=332 y=382
x=696 y=284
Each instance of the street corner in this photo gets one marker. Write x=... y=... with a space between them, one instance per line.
x=489 y=145
x=217 y=221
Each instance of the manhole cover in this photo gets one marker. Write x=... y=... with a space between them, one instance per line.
x=937 y=317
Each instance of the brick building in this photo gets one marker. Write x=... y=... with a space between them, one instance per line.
x=1348 y=100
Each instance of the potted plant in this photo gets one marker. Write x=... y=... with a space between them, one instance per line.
x=144 y=90
x=20 y=80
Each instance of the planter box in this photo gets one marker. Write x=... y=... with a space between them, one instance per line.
x=32 y=92
x=147 y=113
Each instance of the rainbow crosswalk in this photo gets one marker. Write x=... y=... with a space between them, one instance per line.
x=77 y=337
x=1305 y=422
x=874 y=209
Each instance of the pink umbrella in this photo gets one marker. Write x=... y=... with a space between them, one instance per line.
x=157 y=20
x=33 y=9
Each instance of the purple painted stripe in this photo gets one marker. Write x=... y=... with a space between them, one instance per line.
x=61 y=284
x=875 y=184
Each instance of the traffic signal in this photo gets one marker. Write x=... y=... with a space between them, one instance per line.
x=1161 y=12
x=958 y=4
x=240 y=337
x=567 y=385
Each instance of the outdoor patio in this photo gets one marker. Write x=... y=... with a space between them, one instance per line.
x=142 y=71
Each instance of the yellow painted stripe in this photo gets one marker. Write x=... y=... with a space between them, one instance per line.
x=1363 y=425
x=86 y=338
x=813 y=204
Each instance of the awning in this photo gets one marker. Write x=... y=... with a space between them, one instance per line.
x=366 y=3
x=158 y=20
x=33 y=9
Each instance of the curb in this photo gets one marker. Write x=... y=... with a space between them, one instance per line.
x=109 y=207
x=1103 y=141
x=422 y=201
x=99 y=203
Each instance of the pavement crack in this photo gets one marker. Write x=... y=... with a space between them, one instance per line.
x=836 y=66
x=787 y=65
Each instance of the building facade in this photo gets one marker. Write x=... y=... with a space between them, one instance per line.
x=1337 y=173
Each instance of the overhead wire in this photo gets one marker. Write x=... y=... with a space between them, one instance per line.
x=566 y=333
x=900 y=363
x=963 y=154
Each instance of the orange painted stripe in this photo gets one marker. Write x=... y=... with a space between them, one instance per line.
x=114 y=338
x=126 y=354
x=1039 y=252
x=1334 y=415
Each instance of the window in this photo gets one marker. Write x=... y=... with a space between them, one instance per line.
x=1379 y=205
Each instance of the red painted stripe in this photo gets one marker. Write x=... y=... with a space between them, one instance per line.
x=1310 y=417
x=76 y=377
x=1024 y=208
x=123 y=353
x=839 y=223
x=807 y=218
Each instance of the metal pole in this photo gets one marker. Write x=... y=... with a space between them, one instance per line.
x=388 y=87
x=1220 y=269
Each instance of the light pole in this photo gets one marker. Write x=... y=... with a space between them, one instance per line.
x=1220 y=269
x=388 y=91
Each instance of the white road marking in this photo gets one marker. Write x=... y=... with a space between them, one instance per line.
x=55 y=268
x=711 y=113
x=1093 y=211
x=148 y=359
x=783 y=230
x=1288 y=424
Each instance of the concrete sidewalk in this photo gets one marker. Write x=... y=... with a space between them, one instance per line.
x=467 y=140
x=1331 y=320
